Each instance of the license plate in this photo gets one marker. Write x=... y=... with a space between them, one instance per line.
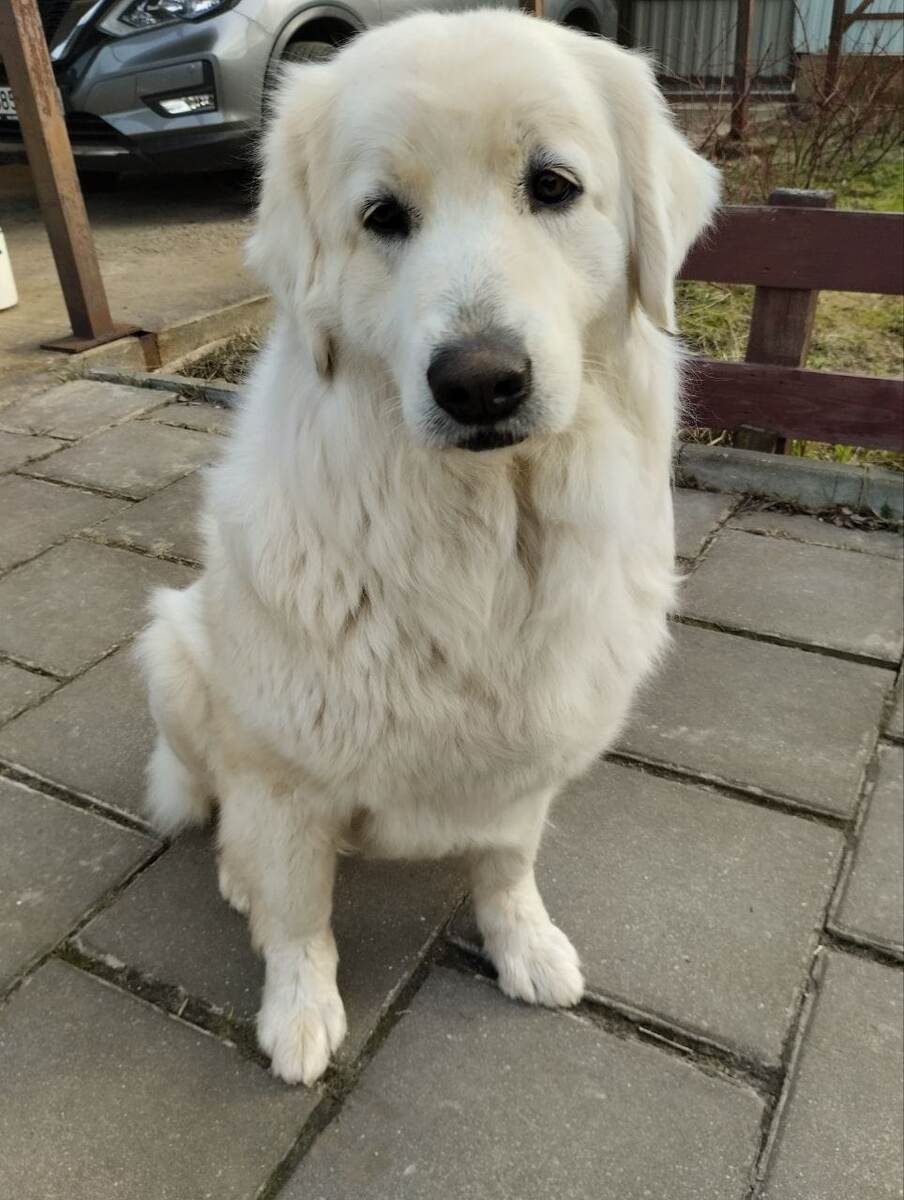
x=7 y=104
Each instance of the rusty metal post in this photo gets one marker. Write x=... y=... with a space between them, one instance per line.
x=740 y=88
x=27 y=62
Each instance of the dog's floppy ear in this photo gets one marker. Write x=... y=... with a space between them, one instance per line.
x=672 y=192
x=285 y=248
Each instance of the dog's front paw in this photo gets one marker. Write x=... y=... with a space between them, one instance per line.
x=231 y=890
x=537 y=963
x=300 y=1039
x=302 y=1019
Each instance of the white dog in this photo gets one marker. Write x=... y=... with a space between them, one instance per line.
x=439 y=550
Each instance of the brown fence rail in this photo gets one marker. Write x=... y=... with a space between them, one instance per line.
x=790 y=250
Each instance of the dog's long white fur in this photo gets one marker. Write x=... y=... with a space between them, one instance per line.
x=398 y=647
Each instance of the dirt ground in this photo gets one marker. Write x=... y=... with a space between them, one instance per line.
x=170 y=249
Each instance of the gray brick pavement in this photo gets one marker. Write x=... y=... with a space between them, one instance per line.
x=103 y=1096
x=697 y=516
x=385 y=916
x=165 y=524
x=208 y=418
x=816 y=532
x=872 y=909
x=767 y=718
x=698 y=909
x=65 y=610
x=840 y=1137
x=93 y=737
x=37 y=515
x=16 y=449
x=811 y=595
x=58 y=862
x=131 y=460
x=450 y=1108
x=20 y=688
x=74 y=410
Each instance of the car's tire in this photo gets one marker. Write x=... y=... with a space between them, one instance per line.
x=94 y=183
x=306 y=52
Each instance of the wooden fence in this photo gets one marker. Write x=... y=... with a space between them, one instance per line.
x=791 y=249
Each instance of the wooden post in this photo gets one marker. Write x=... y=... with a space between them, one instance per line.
x=740 y=88
x=27 y=62
x=833 y=57
x=782 y=321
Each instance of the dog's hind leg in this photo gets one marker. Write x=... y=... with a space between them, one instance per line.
x=179 y=791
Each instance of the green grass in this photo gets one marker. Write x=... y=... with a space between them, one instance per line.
x=880 y=190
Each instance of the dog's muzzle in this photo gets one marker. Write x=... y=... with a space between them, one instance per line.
x=481 y=382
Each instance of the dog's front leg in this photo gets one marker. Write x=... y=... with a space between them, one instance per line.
x=534 y=959
x=288 y=862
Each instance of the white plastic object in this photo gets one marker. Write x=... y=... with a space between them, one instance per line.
x=8 y=294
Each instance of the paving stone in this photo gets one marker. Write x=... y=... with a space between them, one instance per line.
x=800 y=528
x=131 y=460
x=209 y=418
x=93 y=736
x=841 y=1134
x=66 y=609
x=473 y=1096
x=873 y=902
x=697 y=514
x=36 y=515
x=790 y=722
x=16 y=449
x=19 y=689
x=896 y=721
x=164 y=524
x=810 y=594
x=55 y=862
x=77 y=409
x=700 y=909
x=105 y=1096
x=384 y=915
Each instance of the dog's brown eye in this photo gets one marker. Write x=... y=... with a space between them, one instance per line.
x=549 y=189
x=387 y=218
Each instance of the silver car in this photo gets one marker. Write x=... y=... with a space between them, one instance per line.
x=181 y=85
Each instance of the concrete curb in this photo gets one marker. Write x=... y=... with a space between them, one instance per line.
x=803 y=482
x=190 y=336
x=213 y=391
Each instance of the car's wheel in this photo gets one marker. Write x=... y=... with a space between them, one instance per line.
x=95 y=183
x=305 y=52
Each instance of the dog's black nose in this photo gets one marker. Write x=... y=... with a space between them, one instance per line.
x=482 y=379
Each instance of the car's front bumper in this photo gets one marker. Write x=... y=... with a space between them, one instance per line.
x=105 y=93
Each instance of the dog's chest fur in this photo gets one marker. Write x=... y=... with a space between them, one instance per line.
x=427 y=634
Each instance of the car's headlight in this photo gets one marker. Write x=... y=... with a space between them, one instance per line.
x=132 y=15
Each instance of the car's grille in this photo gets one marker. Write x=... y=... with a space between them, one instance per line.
x=89 y=128
x=82 y=127
x=52 y=13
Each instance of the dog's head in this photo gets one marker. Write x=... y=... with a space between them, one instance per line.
x=477 y=202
